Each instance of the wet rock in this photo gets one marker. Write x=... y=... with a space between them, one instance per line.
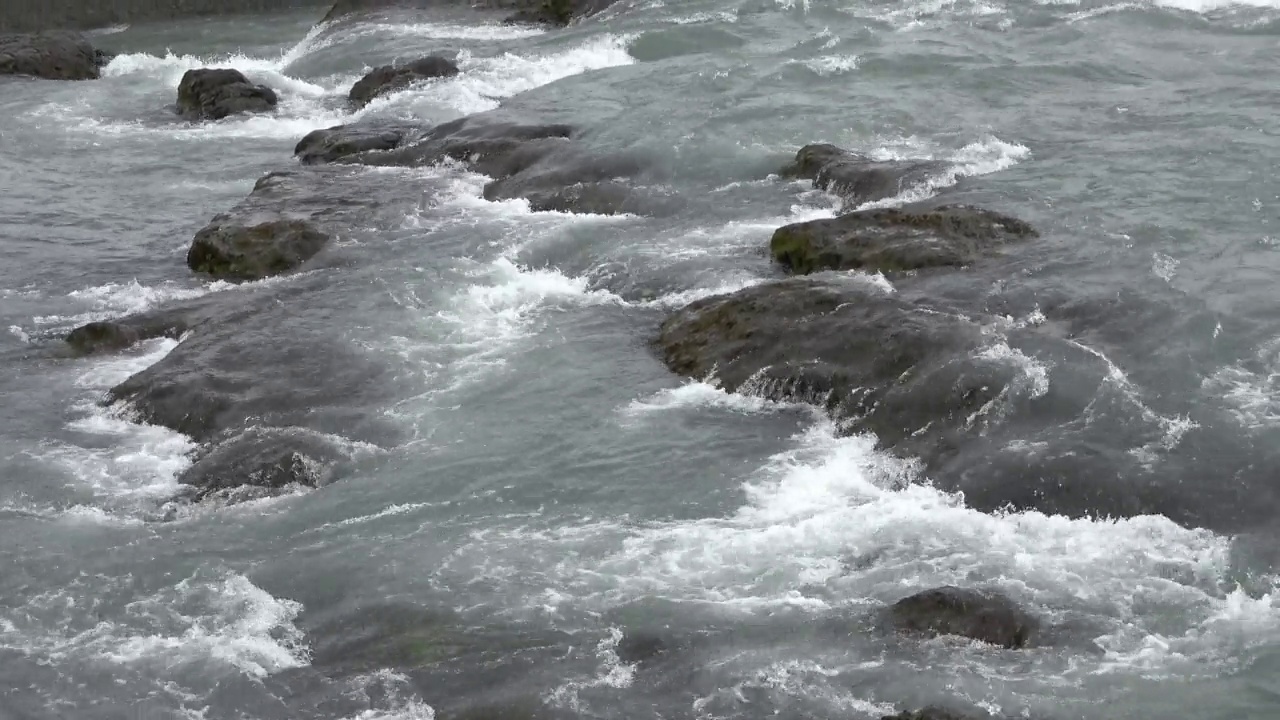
x=50 y=55
x=331 y=144
x=263 y=458
x=980 y=615
x=213 y=94
x=553 y=12
x=931 y=713
x=896 y=239
x=262 y=356
x=565 y=180
x=229 y=250
x=114 y=335
x=392 y=78
x=640 y=647
x=857 y=178
x=877 y=363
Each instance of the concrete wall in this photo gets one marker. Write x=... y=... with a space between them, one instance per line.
x=32 y=15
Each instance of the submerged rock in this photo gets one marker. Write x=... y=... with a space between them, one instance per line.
x=903 y=371
x=267 y=459
x=980 y=615
x=113 y=335
x=51 y=55
x=213 y=94
x=640 y=647
x=229 y=250
x=552 y=12
x=392 y=78
x=343 y=141
x=930 y=713
x=896 y=239
x=857 y=178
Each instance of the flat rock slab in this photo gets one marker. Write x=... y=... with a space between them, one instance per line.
x=980 y=615
x=891 y=240
x=216 y=93
x=388 y=79
x=50 y=55
x=859 y=179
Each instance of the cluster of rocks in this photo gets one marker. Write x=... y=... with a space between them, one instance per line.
x=908 y=372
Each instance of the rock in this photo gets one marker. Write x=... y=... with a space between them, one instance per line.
x=113 y=335
x=640 y=647
x=331 y=144
x=51 y=55
x=906 y=372
x=985 y=616
x=231 y=251
x=213 y=94
x=896 y=239
x=267 y=459
x=553 y=12
x=265 y=356
x=856 y=178
x=930 y=713
x=391 y=78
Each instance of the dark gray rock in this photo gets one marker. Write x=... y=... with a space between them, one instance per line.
x=856 y=178
x=36 y=15
x=51 y=55
x=877 y=363
x=933 y=713
x=113 y=335
x=215 y=93
x=266 y=459
x=230 y=250
x=896 y=239
x=393 y=78
x=329 y=145
x=551 y=12
x=980 y=615
x=640 y=647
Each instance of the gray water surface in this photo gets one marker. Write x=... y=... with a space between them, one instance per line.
x=540 y=486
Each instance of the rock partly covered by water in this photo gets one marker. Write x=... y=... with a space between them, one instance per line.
x=904 y=371
x=51 y=55
x=230 y=250
x=104 y=336
x=932 y=713
x=263 y=459
x=393 y=78
x=857 y=178
x=552 y=12
x=215 y=93
x=977 y=614
x=896 y=239
x=541 y=163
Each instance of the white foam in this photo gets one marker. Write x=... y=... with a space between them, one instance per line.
x=828 y=65
x=983 y=157
x=1206 y=6
x=485 y=81
x=229 y=620
x=612 y=673
x=115 y=299
x=452 y=31
x=697 y=395
x=1251 y=389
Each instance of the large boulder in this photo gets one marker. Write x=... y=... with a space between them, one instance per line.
x=985 y=616
x=50 y=55
x=896 y=239
x=215 y=93
x=909 y=373
x=392 y=78
x=856 y=178
x=229 y=250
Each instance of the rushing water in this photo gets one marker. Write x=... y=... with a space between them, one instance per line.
x=543 y=485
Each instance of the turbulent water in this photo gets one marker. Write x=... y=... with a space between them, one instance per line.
x=540 y=486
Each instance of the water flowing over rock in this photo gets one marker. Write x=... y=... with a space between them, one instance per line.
x=105 y=336
x=216 y=93
x=856 y=178
x=393 y=78
x=263 y=459
x=228 y=250
x=979 y=615
x=933 y=713
x=51 y=56
x=551 y=12
x=896 y=239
